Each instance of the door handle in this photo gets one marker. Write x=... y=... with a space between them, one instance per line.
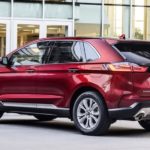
x=30 y=70
x=73 y=70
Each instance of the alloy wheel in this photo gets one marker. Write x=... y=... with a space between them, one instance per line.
x=88 y=114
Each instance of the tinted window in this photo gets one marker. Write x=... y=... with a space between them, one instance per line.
x=65 y=51
x=90 y=52
x=135 y=53
x=30 y=55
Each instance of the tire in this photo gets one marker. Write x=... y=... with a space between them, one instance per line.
x=1 y=114
x=92 y=120
x=145 y=124
x=45 y=118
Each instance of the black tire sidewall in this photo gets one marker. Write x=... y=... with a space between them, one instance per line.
x=1 y=114
x=145 y=124
x=103 y=123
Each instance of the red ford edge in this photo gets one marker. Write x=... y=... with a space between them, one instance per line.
x=92 y=81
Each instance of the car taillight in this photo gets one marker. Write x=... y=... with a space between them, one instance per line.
x=126 y=67
x=137 y=68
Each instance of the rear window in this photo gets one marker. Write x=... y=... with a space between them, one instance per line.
x=90 y=52
x=134 y=52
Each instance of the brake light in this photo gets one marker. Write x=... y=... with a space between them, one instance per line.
x=126 y=67
x=137 y=68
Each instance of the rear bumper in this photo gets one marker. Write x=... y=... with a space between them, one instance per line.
x=132 y=112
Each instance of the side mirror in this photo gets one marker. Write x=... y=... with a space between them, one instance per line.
x=4 y=61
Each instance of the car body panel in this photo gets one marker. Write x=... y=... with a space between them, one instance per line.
x=56 y=84
x=16 y=81
x=141 y=89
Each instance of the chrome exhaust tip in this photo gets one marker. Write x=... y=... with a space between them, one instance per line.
x=139 y=116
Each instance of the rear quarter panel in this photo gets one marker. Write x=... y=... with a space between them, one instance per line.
x=107 y=53
x=141 y=89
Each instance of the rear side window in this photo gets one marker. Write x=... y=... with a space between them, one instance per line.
x=135 y=53
x=90 y=52
x=66 y=52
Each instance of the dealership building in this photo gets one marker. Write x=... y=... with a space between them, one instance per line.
x=24 y=20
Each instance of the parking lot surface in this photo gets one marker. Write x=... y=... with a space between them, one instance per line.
x=21 y=132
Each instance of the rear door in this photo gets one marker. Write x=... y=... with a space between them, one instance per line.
x=55 y=80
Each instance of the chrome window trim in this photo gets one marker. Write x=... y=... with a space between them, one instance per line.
x=51 y=40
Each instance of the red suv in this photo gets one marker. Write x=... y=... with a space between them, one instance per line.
x=93 y=81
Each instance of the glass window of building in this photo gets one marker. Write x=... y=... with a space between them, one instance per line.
x=58 y=9
x=2 y=39
x=147 y=23
x=138 y=23
x=27 y=33
x=57 y=31
x=117 y=1
x=141 y=20
x=147 y=2
x=116 y=18
x=5 y=8
x=138 y=2
x=89 y=1
x=28 y=8
x=88 y=18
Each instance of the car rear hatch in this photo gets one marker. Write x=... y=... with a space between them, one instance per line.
x=138 y=54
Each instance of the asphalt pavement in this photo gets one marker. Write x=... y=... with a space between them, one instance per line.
x=21 y=132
